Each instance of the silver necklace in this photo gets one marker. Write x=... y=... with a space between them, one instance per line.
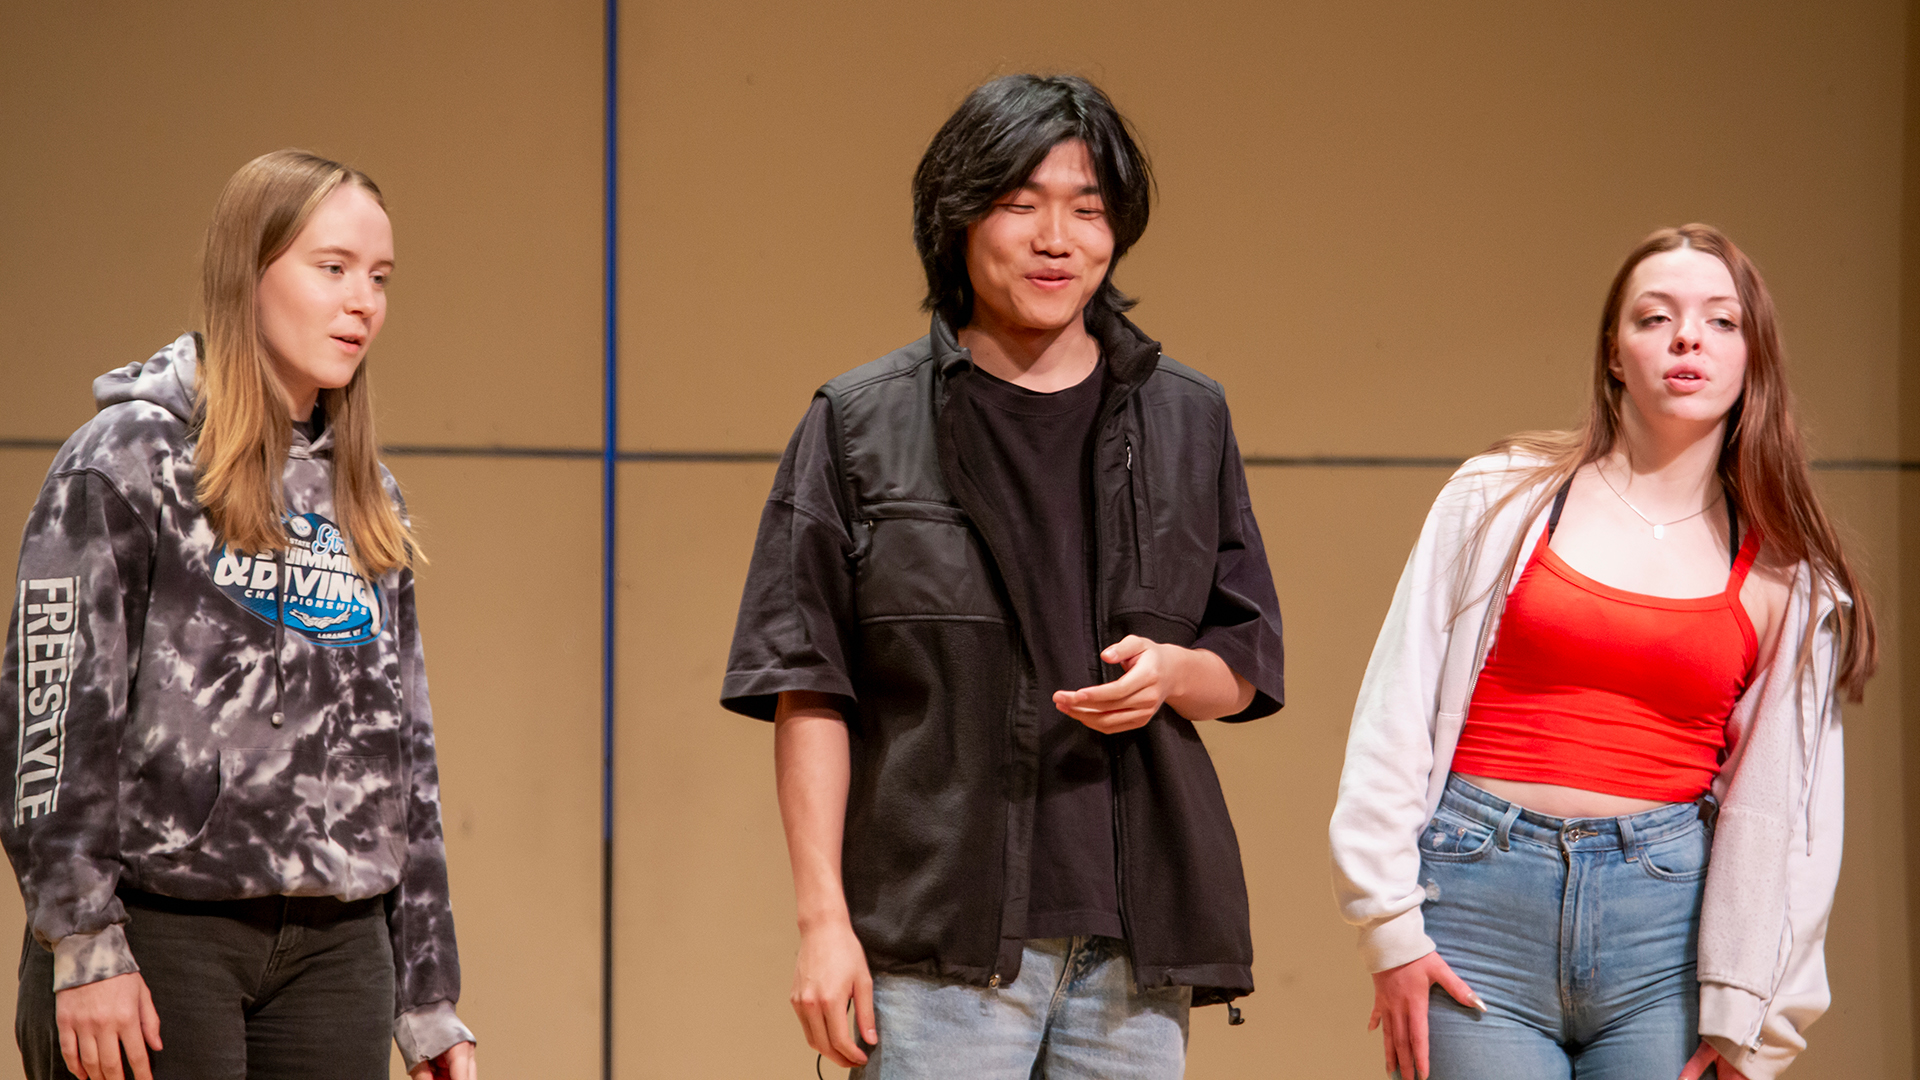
x=1659 y=527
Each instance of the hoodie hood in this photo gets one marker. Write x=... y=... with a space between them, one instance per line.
x=167 y=379
x=164 y=379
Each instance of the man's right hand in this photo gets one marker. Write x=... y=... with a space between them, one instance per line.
x=97 y=1019
x=830 y=971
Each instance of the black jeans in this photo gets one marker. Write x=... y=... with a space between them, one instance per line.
x=288 y=988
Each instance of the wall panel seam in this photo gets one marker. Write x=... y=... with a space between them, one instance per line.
x=758 y=457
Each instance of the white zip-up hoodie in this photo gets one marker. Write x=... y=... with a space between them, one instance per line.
x=1776 y=849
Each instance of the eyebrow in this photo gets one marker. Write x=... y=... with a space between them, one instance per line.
x=1669 y=298
x=349 y=252
x=1090 y=189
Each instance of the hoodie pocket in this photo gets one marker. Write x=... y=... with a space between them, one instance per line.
x=289 y=824
x=255 y=790
x=366 y=820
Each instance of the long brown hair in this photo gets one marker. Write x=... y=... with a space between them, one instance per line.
x=241 y=415
x=1763 y=461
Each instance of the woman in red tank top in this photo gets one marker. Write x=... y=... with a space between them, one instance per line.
x=1651 y=561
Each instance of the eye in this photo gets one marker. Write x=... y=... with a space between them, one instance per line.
x=1652 y=320
x=1723 y=323
x=1091 y=212
x=1015 y=207
x=380 y=278
x=333 y=268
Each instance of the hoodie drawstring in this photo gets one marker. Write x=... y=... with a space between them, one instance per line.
x=279 y=638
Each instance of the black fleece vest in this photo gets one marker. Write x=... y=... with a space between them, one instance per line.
x=939 y=823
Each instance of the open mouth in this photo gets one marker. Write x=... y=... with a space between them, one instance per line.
x=350 y=340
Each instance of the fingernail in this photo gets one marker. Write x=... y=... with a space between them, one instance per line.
x=872 y=1036
x=1478 y=1004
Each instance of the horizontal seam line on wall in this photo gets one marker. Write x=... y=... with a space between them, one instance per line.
x=755 y=457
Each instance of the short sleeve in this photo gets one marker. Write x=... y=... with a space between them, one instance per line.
x=1242 y=621
x=796 y=612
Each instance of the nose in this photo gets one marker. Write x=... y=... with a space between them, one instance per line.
x=361 y=296
x=1686 y=337
x=1051 y=233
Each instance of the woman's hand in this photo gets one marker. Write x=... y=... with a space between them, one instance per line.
x=830 y=971
x=455 y=1063
x=1197 y=683
x=97 y=1019
x=1707 y=1057
x=1400 y=1010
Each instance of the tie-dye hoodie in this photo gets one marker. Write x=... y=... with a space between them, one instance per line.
x=190 y=721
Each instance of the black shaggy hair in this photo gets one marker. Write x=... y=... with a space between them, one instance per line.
x=999 y=135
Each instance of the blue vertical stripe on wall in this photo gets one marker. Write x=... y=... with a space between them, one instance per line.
x=609 y=517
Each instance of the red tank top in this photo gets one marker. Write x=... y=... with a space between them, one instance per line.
x=1598 y=688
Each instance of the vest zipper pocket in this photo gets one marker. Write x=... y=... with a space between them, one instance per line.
x=1142 y=520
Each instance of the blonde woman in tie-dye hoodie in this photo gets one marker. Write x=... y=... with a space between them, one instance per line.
x=225 y=812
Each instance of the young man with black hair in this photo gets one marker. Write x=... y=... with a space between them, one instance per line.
x=1002 y=573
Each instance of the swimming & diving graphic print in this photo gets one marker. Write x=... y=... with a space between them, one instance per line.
x=323 y=598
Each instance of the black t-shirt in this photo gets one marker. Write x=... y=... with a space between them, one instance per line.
x=1036 y=464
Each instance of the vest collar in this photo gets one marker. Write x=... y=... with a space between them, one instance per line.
x=1130 y=354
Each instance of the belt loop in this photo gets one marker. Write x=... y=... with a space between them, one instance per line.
x=1709 y=809
x=1626 y=839
x=1506 y=825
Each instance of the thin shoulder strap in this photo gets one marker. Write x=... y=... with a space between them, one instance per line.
x=1559 y=504
x=1743 y=553
x=1743 y=562
x=1733 y=528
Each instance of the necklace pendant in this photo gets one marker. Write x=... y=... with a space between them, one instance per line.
x=1659 y=532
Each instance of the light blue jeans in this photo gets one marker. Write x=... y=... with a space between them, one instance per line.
x=1072 y=1013
x=1578 y=933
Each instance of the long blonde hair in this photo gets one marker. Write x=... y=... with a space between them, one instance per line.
x=1763 y=461
x=241 y=405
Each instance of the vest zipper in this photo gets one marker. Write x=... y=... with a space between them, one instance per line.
x=1142 y=520
x=1101 y=632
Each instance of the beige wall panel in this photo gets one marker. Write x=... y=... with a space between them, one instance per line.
x=705 y=927
x=510 y=613
x=481 y=121
x=1337 y=539
x=1908 y=612
x=1904 y=663
x=1386 y=226
x=1869 y=1031
x=1910 y=249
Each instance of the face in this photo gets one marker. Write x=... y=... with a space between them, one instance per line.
x=1042 y=251
x=322 y=302
x=1679 y=348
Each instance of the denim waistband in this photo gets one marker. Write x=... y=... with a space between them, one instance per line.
x=1592 y=834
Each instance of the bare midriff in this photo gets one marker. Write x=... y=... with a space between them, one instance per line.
x=1555 y=800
